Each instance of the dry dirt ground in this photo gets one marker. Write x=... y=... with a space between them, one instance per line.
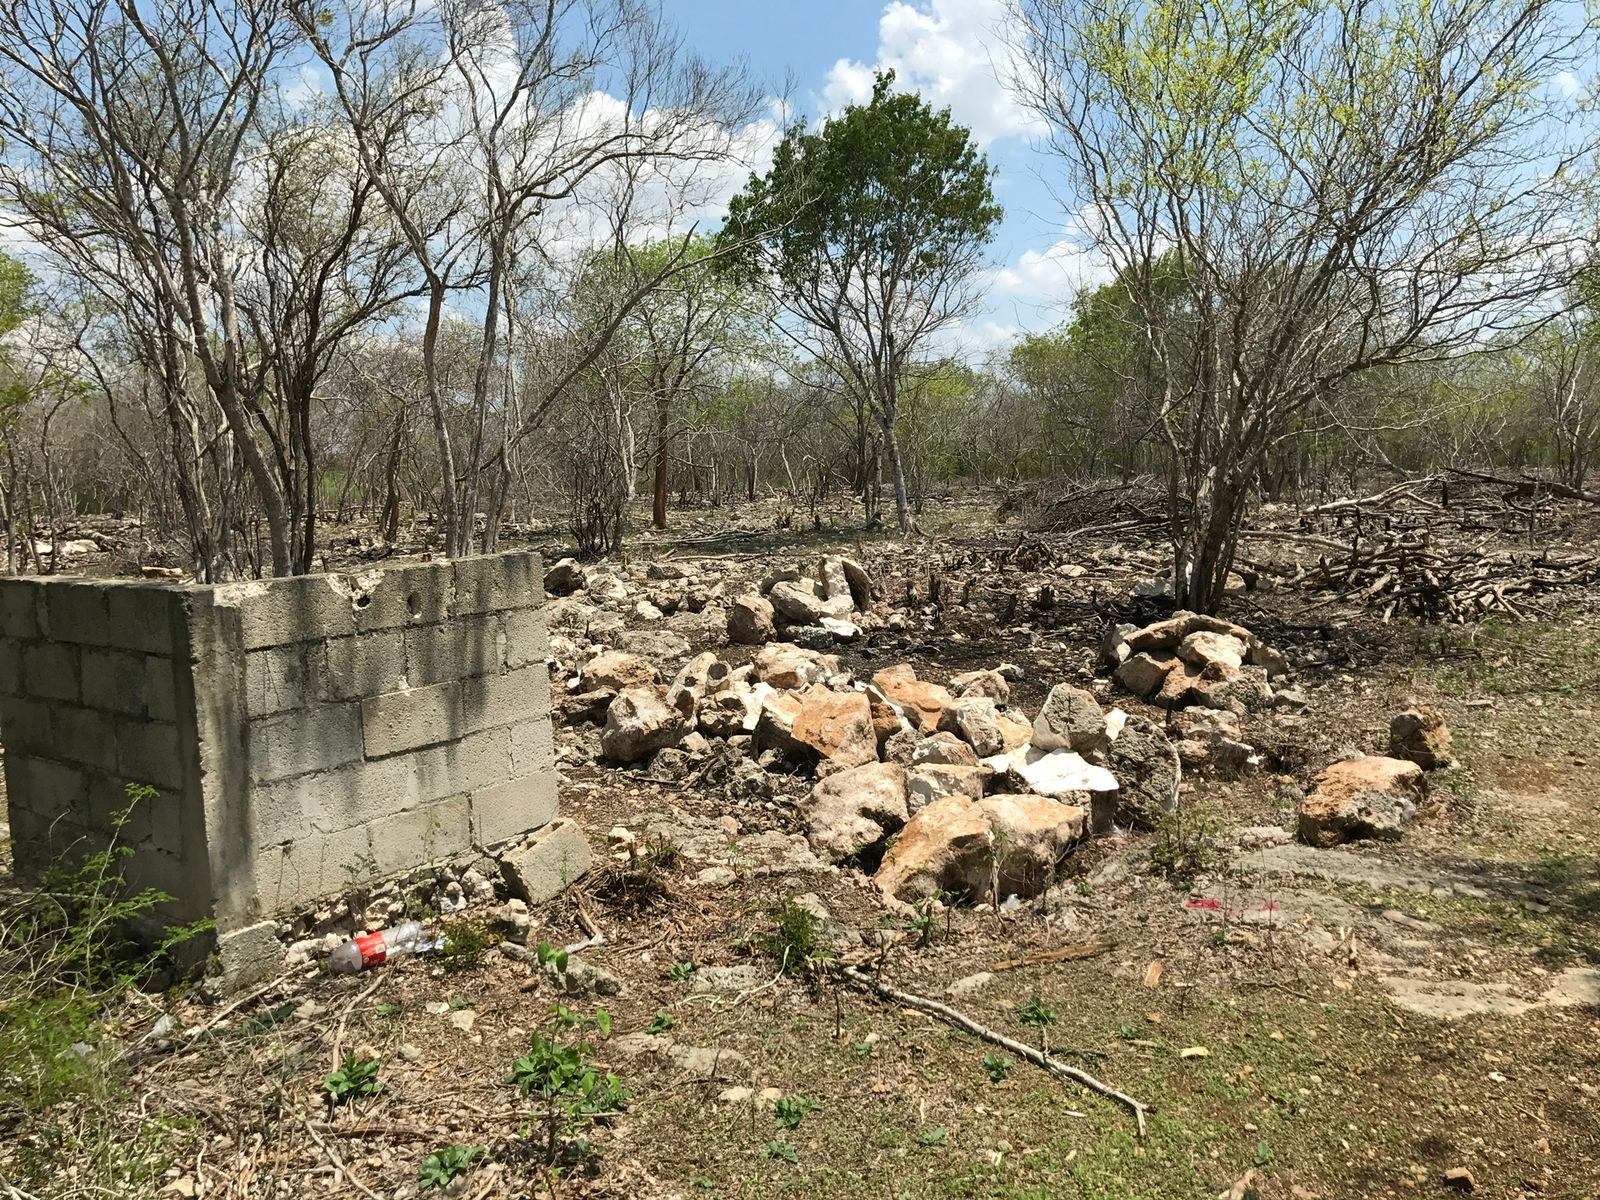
x=1348 y=1023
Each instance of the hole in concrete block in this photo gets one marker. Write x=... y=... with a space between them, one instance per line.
x=363 y=600
x=414 y=604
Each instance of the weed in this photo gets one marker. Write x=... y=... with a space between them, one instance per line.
x=457 y=1003
x=936 y=1136
x=1035 y=1013
x=464 y=944
x=783 y=1151
x=642 y=881
x=663 y=1021
x=996 y=1067
x=389 y=1010
x=441 y=1167
x=679 y=972
x=573 y=1091
x=1185 y=843
x=791 y=1110
x=356 y=1080
x=549 y=956
x=795 y=940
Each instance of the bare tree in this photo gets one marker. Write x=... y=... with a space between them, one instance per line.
x=1341 y=186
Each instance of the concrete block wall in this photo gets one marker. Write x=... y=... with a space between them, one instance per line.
x=304 y=735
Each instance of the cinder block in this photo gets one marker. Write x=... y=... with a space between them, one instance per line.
x=275 y=680
x=411 y=719
x=133 y=684
x=247 y=956
x=396 y=597
x=364 y=791
x=50 y=671
x=472 y=762
x=298 y=608
x=491 y=582
x=508 y=810
x=76 y=612
x=527 y=637
x=52 y=789
x=472 y=645
x=547 y=863
x=82 y=735
x=24 y=726
x=491 y=700
x=533 y=746
x=143 y=615
x=148 y=752
x=311 y=868
x=282 y=811
x=433 y=831
x=350 y=668
x=308 y=739
x=19 y=608
x=10 y=667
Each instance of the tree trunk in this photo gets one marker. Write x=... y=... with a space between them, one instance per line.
x=658 y=512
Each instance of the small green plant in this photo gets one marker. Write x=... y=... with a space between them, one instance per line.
x=663 y=1021
x=680 y=972
x=933 y=1137
x=356 y=1080
x=792 y=1109
x=1035 y=1013
x=782 y=1150
x=996 y=1067
x=1129 y=1032
x=464 y=944
x=795 y=940
x=457 y=1003
x=1263 y=1156
x=387 y=1009
x=572 y=1091
x=549 y=956
x=864 y=1048
x=441 y=1167
x=1185 y=843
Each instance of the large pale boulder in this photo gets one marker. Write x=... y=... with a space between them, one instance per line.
x=1059 y=773
x=733 y=710
x=800 y=602
x=855 y=809
x=934 y=781
x=617 y=670
x=836 y=726
x=1204 y=647
x=1147 y=769
x=988 y=683
x=1032 y=834
x=948 y=846
x=974 y=720
x=639 y=721
x=1070 y=719
x=787 y=666
x=1420 y=735
x=751 y=621
x=1143 y=674
x=1367 y=797
x=1168 y=635
x=924 y=702
x=564 y=578
x=943 y=749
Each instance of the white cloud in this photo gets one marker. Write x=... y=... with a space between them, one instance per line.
x=947 y=50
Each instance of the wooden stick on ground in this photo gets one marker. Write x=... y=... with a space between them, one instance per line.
x=1059 y=954
x=954 y=1016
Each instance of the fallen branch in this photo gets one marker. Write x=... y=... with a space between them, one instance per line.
x=954 y=1016
x=1060 y=954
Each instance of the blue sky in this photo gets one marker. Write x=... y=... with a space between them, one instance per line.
x=827 y=51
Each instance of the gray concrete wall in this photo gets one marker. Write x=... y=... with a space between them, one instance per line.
x=304 y=734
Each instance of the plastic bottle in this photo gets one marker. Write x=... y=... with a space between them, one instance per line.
x=386 y=945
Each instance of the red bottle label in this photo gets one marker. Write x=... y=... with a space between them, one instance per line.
x=374 y=950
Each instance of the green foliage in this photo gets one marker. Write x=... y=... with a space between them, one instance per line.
x=996 y=1067
x=937 y=1136
x=680 y=972
x=356 y=1080
x=441 y=1167
x=549 y=956
x=464 y=944
x=574 y=1092
x=1035 y=1013
x=1185 y=843
x=795 y=940
x=662 y=1022
x=792 y=1109
x=783 y=1151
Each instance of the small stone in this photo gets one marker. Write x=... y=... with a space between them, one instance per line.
x=1461 y=1179
x=1420 y=735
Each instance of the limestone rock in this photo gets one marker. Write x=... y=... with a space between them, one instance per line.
x=1204 y=646
x=798 y=602
x=1070 y=719
x=564 y=578
x=733 y=710
x=787 y=666
x=1239 y=689
x=924 y=702
x=853 y=809
x=1142 y=674
x=750 y=621
x=934 y=781
x=1147 y=771
x=639 y=722
x=1420 y=735
x=943 y=749
x=859 y=580
x=1060 y=773
x=1367 y=797
x=988 y=683
x=836 y=726
x=1168 y=635
x=975 y=721
x=947 y=846
x=617 y=670
x=1032 y=834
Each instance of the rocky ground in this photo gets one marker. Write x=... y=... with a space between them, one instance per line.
x=1320 y=891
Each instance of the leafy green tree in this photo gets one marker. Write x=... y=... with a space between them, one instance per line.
x=1346 y=186
x=872 y=230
